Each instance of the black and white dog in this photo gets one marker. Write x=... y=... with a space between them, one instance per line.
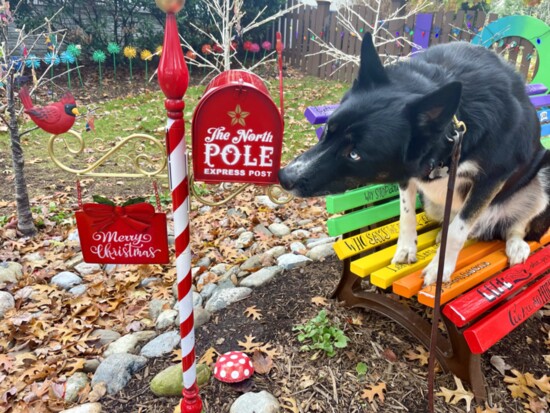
x=393 y=126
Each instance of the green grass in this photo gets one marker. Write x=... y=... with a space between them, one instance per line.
x=145 y=113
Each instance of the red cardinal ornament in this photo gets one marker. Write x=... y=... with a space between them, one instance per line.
x=56 y=118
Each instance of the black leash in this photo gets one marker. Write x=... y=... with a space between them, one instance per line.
x=460 y=130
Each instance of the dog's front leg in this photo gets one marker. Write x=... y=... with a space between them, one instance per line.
x=479 y=198
x=406 y=244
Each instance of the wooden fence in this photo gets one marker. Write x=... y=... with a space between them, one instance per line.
x=302 y=26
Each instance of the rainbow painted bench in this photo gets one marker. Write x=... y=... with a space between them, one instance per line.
x=483 y=302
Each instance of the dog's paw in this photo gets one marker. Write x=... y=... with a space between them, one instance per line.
x=517 y=251
x=438 y=237
x=405 y=254
x=430 y=272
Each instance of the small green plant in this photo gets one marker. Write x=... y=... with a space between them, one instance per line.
x=361 y=370
x=4 y=220
x=320 y=334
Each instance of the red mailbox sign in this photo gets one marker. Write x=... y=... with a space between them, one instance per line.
x=237 y=131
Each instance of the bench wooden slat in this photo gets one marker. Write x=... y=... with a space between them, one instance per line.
x=410 y=285
x=348 y=247
x=367 y=265
x=468 y=277
x=497 y=324
x=354 y=220
x=475 y=302
x=359 y=197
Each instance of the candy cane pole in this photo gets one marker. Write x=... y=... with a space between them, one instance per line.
x=173 y=80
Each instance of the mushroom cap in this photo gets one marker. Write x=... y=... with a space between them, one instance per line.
x=233 y=367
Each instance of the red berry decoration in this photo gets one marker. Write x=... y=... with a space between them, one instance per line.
x=233 y=367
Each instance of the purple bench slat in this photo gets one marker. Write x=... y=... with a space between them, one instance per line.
x=536 y=89
x=319 y=114
x=540 y=101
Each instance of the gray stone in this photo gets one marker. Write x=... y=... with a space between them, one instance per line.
x=229 y=273
x=171 y=239
x=85 y=408
x=77 y=259
x=224 y=297
x=166 y=319
x=205 y=209
x=206 y=278
x=224 y=285
x=6 y=302
x=276 y=252
x=279 y=230
x=321 y=252
x=90 y=365
x=264 y=200
x=161 y=345
x=235 y=212
x=261 y=229
x=116 y=370
x=110 y=268
x=34 y=257
x=78 y=290
x=261 y=277
x=208 y=290
x=66 y=280
x=219 y=269
x=10 y=272
x=149 y=280
x=197 y=299
x=301 y=234
x=297 y=247
x=169 y=382
x=156 y=307
x=25 y=293
x=200 y=315
x=105 y=336
x=245 y=240
x=317 y=230
x=204 y=262
x=252 y=264
x=74 y=384
x=86 y=269
x=128 y=343
x=303 y=222
x=262 y=402
x=313 y=242
x=73 y=236
x=291 y=261
x=242 y=274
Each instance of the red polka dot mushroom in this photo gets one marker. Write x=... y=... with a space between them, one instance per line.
x=233 y=367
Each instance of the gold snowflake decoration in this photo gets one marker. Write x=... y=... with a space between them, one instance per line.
x=238 y=116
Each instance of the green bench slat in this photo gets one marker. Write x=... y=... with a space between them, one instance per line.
x=359 y=197
x=359 y=219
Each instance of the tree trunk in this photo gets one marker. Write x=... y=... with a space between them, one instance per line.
x=25 y=222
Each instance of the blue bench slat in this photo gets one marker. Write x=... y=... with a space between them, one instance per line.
x=544 y=115
x=319 y=114
x=545 y=129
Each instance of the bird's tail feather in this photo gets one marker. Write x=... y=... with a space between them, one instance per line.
x=25 y=98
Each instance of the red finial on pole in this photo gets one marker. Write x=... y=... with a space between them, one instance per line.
x=279 y=47
x=173 y=79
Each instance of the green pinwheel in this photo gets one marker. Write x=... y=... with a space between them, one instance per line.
x=76 y=51
x=113 y=50
x=99 y=57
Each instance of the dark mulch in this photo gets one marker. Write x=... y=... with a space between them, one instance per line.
x=334 y=385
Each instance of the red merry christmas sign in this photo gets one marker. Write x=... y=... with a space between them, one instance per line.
x=133 y=234
x=237 y=131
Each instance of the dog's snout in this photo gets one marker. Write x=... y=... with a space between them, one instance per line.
x=286 y=180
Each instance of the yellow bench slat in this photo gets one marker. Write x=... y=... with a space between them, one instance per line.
x=366 y=265
x=377 y=237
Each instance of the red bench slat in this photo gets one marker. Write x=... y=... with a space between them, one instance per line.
x=469 y=306
x=496 y=325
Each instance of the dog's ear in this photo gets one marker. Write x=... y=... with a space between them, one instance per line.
x=371 y=70
x=430 y=115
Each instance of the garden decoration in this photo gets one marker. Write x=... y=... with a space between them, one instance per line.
x=90 y=122
x=206 y=50
x=113 y=50
x=146 y=56
x=527 y=27
x=132 y=233
x=158 y=51
x=217 y=48
x=173 y=79
x=56 y=118
x=191 y=55
x=130 y=53
x=233 y=367
x=33 y=62
x=51 y=59
x=254 y=48
x=246 y=46
x=99 y=57
x=76 y=51
x=68 y=59
x=266 y=45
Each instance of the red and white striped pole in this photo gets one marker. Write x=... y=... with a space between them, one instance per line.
x=173 y=80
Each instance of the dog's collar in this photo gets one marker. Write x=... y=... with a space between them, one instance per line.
x=440 y=169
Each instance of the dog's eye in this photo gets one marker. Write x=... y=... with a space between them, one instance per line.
x=354 y=156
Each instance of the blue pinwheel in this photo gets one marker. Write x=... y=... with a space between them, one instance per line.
x=33 y=62
x=68 y=58
x=51 y=59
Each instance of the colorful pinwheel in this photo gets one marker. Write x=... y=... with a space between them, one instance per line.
x=266 y=45
x=33 y=62
x=76 y=51
x=51 y=59
x=99 y=57
x=191 y=55
x=158 y=51
x=113 y=50
x=130 y=53
x=254 y=48
x=246 y=46
x=68 y=59
x=146 y=56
